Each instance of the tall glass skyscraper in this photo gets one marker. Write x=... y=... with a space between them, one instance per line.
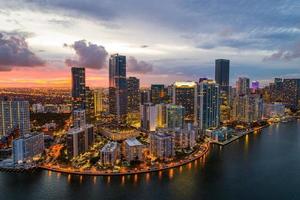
x=209 y=109
x=222 y=73
x=78 y=87
x=133 y=87
x=117 y=86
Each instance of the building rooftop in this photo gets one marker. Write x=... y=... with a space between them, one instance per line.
x=109 y=147
x=133 y=142
x=185 y=84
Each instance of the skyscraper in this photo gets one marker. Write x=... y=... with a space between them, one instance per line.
x=291 y=93
x=243 y=86
x=185 y=94
x=14 y=115
x=117 y=86
x=133 y=85
x=78 y=87
x=222 y=73
x=209 y=108
x=98 y=101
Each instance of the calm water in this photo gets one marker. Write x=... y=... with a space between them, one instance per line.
x=265 y=165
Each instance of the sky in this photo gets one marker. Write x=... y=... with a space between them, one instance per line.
x=164 y=41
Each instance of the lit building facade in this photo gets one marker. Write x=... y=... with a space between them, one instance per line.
x=185 y=94
x=133 y=85
x=109 y=153
x=27 y=147
x=209 y=108
x=162 y=145
x=222 y=67
x=117 y=86
x=291 y=93
x=14 y=116
x=243 y=86
x=78 y=87
x=133 y=150
x=158 y=93
x=175 y=116
x=148 y=117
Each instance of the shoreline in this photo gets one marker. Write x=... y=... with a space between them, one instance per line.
x=195 y=156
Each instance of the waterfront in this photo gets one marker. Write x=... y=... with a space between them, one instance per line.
x=258 y=166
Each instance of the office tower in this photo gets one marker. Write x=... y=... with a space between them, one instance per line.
x=162 y=145
x=209 y=108
x=117 y=86
x=79 y=118
x=175 y=116
x=14 y=117
x=161 y=115
x=89 y=102
x=242 y=86
x=145 y=97
x=133 y=150
x=78 y=87
x=27 y=147
x=222 y=73
x=240 y=108
x=148 y=117
x=291 y=93
x=133 y=85
x=185 y=94
x=158 y=93
x=98 y=101
x=109 y=153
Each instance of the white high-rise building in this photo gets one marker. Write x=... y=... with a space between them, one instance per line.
x=14 y=115
x=162 y=145
x=109 y=153
x=148 y=116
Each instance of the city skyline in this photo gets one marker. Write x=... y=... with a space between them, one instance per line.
x=183 y=46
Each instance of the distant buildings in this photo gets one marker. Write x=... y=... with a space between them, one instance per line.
x=78 y=88
x=117 y=86
x=185 y=94
x=222 y=73
x=133 y=85
x=109 y=153
x=14 y=116
x=28 y=146
x=162 y=145
x=133 y=150
x=209 y=108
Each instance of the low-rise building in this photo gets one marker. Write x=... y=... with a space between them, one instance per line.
x=162 y=145
x=109 y=153
x=133 y=150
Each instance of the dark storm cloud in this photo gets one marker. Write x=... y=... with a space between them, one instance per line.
x=285 y=55
x=89 y=55
x=141 y=67
x=14 y=52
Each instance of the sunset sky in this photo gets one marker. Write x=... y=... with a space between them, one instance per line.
x=164 y=41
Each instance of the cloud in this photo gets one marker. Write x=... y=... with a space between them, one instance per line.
x=285 y=55
x=89 y=55
x=14 y=52
x=133 y=65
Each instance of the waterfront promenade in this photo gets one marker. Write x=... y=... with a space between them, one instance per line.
x=190 y=158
